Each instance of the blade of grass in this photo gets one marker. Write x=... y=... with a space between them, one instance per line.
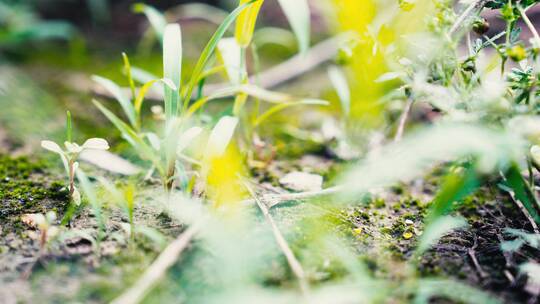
x=209 y=51
x=298 y=14
x=116 y=91
x=172 y=67
x=130 y=135
x=156 y=19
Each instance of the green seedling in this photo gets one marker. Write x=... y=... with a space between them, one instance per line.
x=46 y=224
x=70 y=154
x=162 y=151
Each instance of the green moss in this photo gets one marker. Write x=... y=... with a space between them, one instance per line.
x=24 y=188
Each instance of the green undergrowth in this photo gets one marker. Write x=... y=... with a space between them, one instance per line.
x=24 y=188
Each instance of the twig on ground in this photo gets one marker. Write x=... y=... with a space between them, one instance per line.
x=155 y=272
x=295 y=265
x=271 y=200
x=403 y=119
x=472 y=255
x=525 y=212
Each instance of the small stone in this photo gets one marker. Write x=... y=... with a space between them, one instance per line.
x=407 y=235
x=409 y=222
x=301 y=181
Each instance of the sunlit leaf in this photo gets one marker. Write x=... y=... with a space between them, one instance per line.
x=245 y=25
x=230 y=51
x=220 y=136
x=172 y=67
x=298 y=14
x=339 y=81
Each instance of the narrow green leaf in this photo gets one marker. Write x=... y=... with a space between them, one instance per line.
x=69 y=127
x=298 y=14
x=127 y=70
x=130 y=135
x=116 y=91
x=209 y=51
x=279 y=107
x=456 y=186
x=172 y=67
x=156 y=19
x=522 y=192
x=145 y=88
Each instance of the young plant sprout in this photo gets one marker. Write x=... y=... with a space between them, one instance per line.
x=46 y=224
x=70 y=154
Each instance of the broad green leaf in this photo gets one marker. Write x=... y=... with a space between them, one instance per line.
x=298 y=14
x=209 y=51
x=339 y=81
x=116 y=91
x=156 y=19
x=172 y=67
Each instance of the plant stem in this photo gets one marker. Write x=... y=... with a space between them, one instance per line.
x=529 y=25
x=293 y=262
x=403 y=119
x=478 y=4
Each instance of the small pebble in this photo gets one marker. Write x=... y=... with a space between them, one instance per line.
x=409 y=222
x=407 y=235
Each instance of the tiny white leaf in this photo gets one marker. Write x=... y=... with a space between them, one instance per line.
x=221 y=136
x=51 y=146
x=154 y=140
x=96 y=143
x=76 y=197
x=187 y=137
x=73 y=147
x=230 y=52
